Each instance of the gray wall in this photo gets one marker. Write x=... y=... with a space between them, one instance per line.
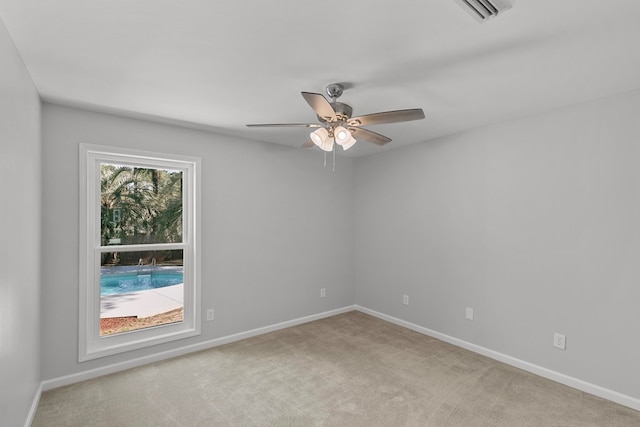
x=533 y=223
x=276 y=227
x=20 y=234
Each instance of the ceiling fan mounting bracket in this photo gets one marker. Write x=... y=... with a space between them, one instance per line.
x=334 y=90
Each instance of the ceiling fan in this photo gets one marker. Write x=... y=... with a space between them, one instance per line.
x=336 y=124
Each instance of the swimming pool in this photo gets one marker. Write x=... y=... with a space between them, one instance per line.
x=111 y=284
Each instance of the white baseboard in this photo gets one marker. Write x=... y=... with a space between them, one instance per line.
x=117 y=367
x=576 y=383
x=34 y=406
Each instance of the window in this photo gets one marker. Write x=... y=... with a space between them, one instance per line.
x=139 y=271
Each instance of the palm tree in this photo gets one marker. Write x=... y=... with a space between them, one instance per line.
x=149 y=203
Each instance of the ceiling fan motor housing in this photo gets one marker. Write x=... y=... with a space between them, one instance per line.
x=343 y=112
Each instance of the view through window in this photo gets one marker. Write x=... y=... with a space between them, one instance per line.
x=140 y=206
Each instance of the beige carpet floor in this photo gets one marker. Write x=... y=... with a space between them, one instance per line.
x=347 y=370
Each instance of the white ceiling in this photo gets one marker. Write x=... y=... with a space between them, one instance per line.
x=222 y=64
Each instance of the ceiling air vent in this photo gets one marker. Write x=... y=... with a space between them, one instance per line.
x=483 y=10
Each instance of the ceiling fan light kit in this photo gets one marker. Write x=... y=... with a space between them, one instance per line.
x=337 y=127
x=343 y=137
x=348 y=144
x=319 y=136
x=322 y=139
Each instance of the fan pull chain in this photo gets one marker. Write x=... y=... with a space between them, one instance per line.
x=325 y=159
x=333 y=166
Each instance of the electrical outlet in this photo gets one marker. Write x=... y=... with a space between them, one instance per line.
x=559 y=341
x=323 y=292
x=209 y=314
x=405 y=299
x=469 y=313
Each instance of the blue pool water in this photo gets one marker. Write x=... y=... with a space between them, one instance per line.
x=111 y=284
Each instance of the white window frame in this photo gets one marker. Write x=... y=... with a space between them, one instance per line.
x=91 y=344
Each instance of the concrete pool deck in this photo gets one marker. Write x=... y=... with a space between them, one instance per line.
x=142 y=303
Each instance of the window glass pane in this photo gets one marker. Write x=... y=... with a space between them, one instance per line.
x=140 y=205
x=140 y=289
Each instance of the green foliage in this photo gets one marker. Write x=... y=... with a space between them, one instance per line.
x=140 y=205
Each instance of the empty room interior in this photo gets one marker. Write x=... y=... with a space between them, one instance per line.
x=336 y=213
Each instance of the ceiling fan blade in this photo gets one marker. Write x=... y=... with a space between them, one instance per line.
x=320 y=105
x=285 y=125
x=308 y=144
x=387 y=117
x=367 y=135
